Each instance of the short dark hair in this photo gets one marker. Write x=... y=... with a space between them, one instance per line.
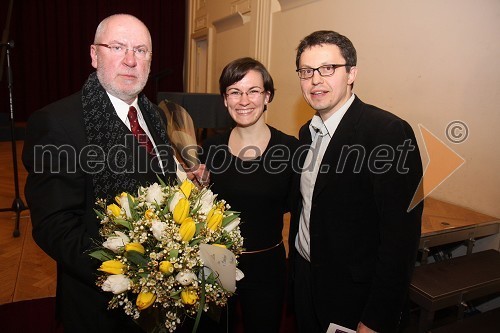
x=320 y=37
x=237 y=69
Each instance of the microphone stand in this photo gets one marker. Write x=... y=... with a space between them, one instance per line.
x=17 y=205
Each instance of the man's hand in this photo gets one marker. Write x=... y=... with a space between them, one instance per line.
x=364 y=329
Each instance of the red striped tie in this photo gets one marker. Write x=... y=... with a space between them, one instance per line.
x=138 y=132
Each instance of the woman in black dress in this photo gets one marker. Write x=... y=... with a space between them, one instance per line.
x=251 y=167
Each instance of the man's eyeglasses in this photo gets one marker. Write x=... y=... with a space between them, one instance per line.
x=237 y=94
x=325 y=70
x=120 y=50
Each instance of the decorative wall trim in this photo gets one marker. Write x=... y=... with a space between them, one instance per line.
x=200 y=23
x=242 y=6
x=200 y=4
x=263 y=34
x=231 y=21
x=200 y=35
x=289 y=4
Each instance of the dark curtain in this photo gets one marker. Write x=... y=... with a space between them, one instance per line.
x=51 y=57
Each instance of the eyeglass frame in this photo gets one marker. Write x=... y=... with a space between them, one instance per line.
x=236 y=92
x=134 y=49
x=335 y=66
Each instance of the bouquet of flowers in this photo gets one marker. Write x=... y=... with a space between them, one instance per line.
x=172 y=248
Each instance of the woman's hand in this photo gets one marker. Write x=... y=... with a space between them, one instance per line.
x=199 y=175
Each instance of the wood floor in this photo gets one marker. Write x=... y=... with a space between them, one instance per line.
x=26 y=272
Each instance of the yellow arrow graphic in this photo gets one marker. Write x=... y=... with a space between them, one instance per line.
x=443 y=162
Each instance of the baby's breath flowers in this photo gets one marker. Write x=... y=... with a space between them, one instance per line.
x=150 y=253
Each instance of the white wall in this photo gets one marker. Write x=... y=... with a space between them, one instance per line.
x=428 y=61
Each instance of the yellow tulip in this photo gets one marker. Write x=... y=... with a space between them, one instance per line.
x=214 y=218
x=188 y=296
x=112 y=267
x=186 y=187
x=135 y=247
x=144 y=300
x=150 y=214
x=187 y=229
x=166 y=267
x=181 y=210
x=114 y=209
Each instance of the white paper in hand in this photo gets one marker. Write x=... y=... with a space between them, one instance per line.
x=222 y=262
x=334 y=328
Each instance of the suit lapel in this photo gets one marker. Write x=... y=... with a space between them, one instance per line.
x=342 y=137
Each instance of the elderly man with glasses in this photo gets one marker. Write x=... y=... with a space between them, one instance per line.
x=103 y=140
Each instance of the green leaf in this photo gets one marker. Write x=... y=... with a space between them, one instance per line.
x=173 y=254
x=102 y=255
x=195 y=210
x=198 y=228
x=229 y=219
x=162 y=183
x=212 y=278
x=165 y=210
x=124 y=223
x=195 y=241
x=175 y=294
x=169 y=201
x=132 y=206
x=99 y=214
x=137 y=258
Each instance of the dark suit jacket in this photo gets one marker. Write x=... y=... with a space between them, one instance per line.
x=363 y=240
x=61 y=197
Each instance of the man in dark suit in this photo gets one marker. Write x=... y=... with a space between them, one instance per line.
x=81 y=148
x=353 y=241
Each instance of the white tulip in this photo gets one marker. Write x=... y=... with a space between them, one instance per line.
x=158 y=227
x=117 y=284
x=123 y=198
x=175 y=200
x=185 y=278
x=207 y=201
x=116 y=243
x=154 y=194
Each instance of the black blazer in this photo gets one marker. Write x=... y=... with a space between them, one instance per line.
x=363 y=240
x=61 y=197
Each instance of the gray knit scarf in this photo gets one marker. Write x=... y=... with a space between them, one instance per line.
x=106 y=130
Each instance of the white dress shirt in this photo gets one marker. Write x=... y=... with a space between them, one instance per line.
x=321 y=134
x=122 y=109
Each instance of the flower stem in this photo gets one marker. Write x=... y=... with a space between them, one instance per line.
x=202 y=301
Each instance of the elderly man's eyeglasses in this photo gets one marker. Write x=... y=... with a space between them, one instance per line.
x=120 y=50
x=237 y=94
x=325 y=70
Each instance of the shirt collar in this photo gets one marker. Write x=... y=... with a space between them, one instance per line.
x=122 y=108
x=329 y=126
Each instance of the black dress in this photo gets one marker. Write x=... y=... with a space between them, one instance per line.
x=259 y=189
